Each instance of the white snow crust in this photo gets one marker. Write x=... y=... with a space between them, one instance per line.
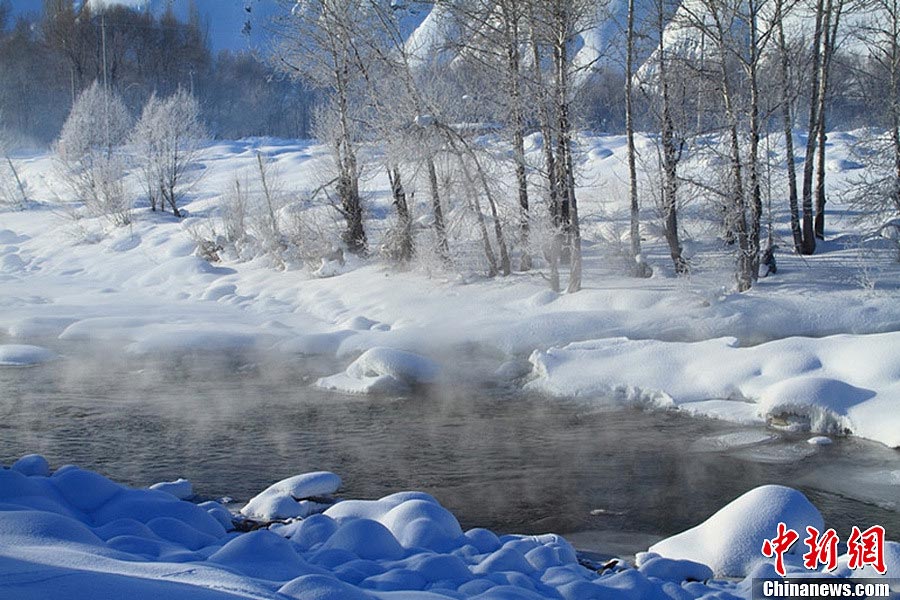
x=75 y=534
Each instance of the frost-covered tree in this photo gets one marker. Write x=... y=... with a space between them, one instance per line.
x=491 y=36
x=324 y=43
x=876 y=192
x=828 y=15
x=664 y=81
x=555 y=28
x=167 y=140
x=89 y=150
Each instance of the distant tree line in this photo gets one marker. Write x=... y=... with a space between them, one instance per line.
x=46 y=65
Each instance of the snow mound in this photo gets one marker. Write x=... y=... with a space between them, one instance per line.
x=77 y=534
x=416 y=520
x=180 y=488
x=293 y=497
x=19 y=355
x=838 y=384
x=730 y=541
x=819 y=440
x=7 y=236
x=32 y=464
x=383 y=370
x=822 y=400
x=652 y=565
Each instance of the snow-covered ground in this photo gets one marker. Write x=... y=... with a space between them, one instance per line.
x=814 y=346
x=73 y=533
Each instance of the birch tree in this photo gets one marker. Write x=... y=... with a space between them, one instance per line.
x=555 y=28
x=319 y=43
x=492 y=35
x=640 y=268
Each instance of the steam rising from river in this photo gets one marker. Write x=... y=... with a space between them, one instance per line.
x=496 y=457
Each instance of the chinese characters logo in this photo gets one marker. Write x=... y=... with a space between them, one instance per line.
x=864 y=548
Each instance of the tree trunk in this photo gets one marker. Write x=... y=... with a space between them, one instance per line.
x=514 y=89
x=808 y=228
x=354 y=236
x=830 y=40
x=566 y=158
x=639 y=268
x=788 y=126
x=440 y=229
x=549 y=159
x=737 y=209
x=670 y=156
x=405 y=243
x=753 y=243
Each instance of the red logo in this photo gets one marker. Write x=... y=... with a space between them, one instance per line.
x=822 y=549
x=867 y=548
x=777 y=546
x=864 y=548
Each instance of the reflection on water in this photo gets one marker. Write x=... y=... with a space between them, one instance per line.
x=496 y=458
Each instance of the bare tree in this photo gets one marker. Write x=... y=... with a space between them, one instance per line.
x=737 y=30
x=827 y=20
x=876 y=192
x=640 y=268
x=658 y=81
x=788 y=96
x=167 y=139
x=555 y=26
x=491 y=35
x=321 y=42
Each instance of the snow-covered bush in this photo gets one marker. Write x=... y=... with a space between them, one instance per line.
x=89 y=150
x=167 y=139
x=259 y=217
x=13 y=188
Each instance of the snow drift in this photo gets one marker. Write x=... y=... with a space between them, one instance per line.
x=73 y=533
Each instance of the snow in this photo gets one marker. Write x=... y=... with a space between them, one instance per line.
x=21 y=355
x=729 y=542
x=814 y=348
x=836 y=384
x=180 y=488
x=815 y=345
x=77 y=534
x=291 y=497
x=383 y=370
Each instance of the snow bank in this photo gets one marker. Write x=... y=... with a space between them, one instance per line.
x=293 y=497
x=73 y=533
x=839 y=384
x=383 y=370
x=18 y=355
x=730 y=541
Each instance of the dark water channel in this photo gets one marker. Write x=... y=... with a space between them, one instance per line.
x=496 y=457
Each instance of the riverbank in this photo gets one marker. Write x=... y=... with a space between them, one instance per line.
x=814 y=344
x=71 y=533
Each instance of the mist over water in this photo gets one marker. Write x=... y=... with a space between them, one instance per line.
x=496 y=457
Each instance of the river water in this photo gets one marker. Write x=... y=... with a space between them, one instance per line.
x=496 y=457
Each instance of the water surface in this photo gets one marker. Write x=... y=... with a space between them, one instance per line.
x=496 y=457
